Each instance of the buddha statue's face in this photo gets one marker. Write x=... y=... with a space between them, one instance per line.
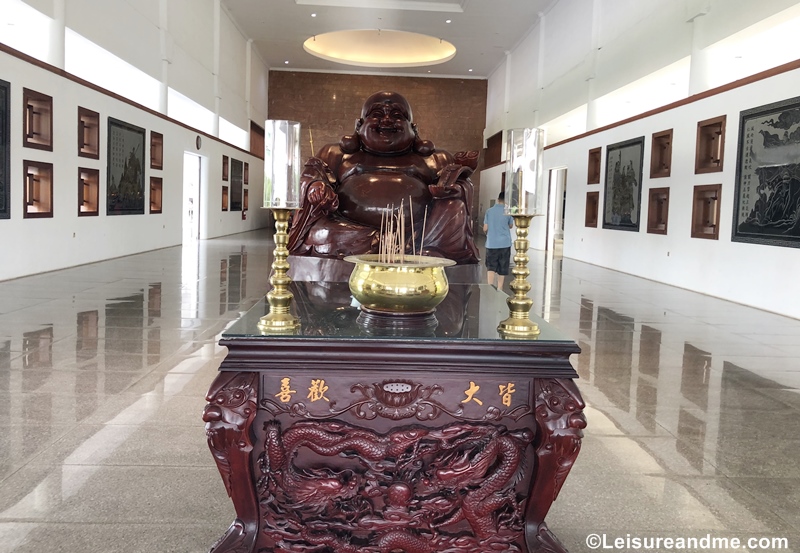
x=386 y=124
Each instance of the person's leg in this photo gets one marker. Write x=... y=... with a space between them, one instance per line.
x=491 y=275
x=504 y=264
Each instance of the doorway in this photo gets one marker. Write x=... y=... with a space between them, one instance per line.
x=556 y=208
x=191 y=197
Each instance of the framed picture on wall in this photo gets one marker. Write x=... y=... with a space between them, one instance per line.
x=623 y=185
x=237 y=178
x=766 y=207
x=125 y=191
x=5 y=151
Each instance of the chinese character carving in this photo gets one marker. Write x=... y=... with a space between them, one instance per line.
x=285 y=395
x=470 y=393
x=505 y=392
x=317 y=390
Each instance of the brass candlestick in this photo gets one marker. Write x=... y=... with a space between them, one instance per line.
x=519 y=323
x=279 y=319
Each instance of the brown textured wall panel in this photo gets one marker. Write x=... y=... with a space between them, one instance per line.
x=450 y=112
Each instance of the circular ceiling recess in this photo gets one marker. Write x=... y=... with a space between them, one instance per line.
x=380 y=48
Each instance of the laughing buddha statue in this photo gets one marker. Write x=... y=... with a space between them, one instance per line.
x=348 y=189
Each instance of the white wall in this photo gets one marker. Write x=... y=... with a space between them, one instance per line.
x=758 y=275
x=35 y=245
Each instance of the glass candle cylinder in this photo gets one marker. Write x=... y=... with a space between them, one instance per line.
x=523 y=193
x=282 y=164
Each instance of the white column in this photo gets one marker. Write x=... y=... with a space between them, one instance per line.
x=58 y=34
x=217 y=44
x=163 y=25
x=591 y=93
x=698 y=66
x=248 y=81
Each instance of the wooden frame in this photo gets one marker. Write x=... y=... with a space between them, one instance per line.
x=767 y=181
x=224 y=198
x=623 y=185
x=156 y=150
x=657 y=210
x=125 y=180
x=236 y=186
x=88 y=192
x=156 y=194
x=38 y=189
x=661 y=154
x=592 y=209
x=37 y=120
x=224 y=167
x=705 y=211
x=5 y=149
x=710 y=148
x=88 y=133
x=593 y=171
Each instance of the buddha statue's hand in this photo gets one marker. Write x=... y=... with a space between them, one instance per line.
x=443 y=192
x=323 y=196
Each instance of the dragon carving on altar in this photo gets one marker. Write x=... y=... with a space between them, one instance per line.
x=451 y=489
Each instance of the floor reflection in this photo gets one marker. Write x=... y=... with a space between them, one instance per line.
x=104 y=369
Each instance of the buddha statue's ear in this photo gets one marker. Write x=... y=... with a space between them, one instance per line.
x=351 y=143
x=422 y=147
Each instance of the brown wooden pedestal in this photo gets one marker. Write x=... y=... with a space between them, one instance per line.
x=338 y=440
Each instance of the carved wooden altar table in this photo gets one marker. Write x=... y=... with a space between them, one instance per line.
x=355 y=438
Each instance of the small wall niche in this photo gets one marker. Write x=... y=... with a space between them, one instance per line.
x=224 y=198
x=705 y=211
x=592 y=208
x=594 y=166
x=37 y=125
x=88 y=191
x=156 y=150
x=661 y=154
x=245 y=202
x=710 y=150
x=658 y=210
x=88 y=133
x=224 y=167
x=156 y=187
x=494 y=150
x=246 y=173
x=38 y=189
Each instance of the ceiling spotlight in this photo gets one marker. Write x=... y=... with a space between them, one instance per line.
x=313 y=15
x=287 y=63
x=448 y=20
x=469 y=70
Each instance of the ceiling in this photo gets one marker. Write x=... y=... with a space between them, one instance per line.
x=481 y=30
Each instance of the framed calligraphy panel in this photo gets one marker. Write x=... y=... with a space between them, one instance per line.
x=767 y=196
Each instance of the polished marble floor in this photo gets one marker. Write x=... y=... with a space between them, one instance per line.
x=691 y=403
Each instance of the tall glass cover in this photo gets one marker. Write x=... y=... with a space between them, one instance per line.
x=282 y=164
x=524 y=193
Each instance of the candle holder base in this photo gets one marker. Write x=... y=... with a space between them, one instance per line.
x=520 y=328
x=279 y=323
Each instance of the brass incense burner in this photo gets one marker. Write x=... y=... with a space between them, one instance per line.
x=413 y=286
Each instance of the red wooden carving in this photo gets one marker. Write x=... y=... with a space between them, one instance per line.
x=413 y=489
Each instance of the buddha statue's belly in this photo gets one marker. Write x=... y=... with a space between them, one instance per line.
x=364 y=198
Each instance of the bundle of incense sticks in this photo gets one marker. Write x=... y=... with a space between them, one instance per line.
x=392 y=247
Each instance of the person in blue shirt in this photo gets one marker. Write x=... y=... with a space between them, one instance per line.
x=497 y=226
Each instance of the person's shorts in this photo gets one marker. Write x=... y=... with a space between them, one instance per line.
x=498 y=260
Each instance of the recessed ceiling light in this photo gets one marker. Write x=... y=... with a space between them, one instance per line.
x=470 y=70
x=380 y=48
x=313 y=15
x=286 y=62
x=448 y=20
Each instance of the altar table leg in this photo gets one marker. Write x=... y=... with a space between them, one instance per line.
x=228 y=416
